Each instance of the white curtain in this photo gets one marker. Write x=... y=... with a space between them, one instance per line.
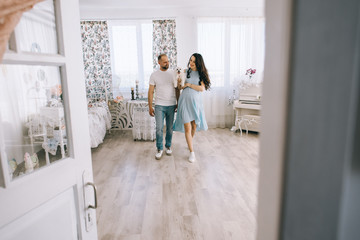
x=229 y=47
x=247 y=48
x=37 y=29
x=131 y=55
x=10 y=14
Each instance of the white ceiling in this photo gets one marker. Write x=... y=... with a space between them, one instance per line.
x=158 y=4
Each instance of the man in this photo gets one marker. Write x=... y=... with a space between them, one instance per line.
x=165 y=104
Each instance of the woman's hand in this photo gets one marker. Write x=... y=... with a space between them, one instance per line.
x=187 y=85
x=195 y=87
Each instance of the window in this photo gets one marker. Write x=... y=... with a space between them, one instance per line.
x=230 y=46
x=131 y=55
x=33 y=127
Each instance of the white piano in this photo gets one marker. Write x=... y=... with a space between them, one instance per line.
x=247 y=109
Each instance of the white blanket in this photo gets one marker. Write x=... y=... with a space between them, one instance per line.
x=99 y=122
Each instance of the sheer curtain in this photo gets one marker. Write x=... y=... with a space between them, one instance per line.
x=135 y=46
x=229 y=47
x=131 y=55
x=35 y=25
x=247 y=48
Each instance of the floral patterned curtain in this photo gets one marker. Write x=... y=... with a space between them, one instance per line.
x=164 y=41
x=10 y=14
x=96 y=55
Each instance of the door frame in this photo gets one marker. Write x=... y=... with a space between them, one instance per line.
x=278 y=14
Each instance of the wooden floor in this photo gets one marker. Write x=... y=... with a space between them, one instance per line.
x=212 y=199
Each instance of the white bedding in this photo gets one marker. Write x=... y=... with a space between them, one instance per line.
x=99 y=121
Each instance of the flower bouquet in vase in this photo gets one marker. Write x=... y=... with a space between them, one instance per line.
x=247 y=81
x=248 y=85
x=250 y=72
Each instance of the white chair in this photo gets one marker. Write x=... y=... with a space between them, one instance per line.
x=37 y=131
x=246 y=121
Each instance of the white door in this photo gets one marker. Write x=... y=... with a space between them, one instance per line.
x=46 y=189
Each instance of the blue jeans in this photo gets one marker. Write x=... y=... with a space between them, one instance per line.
x=162 y=112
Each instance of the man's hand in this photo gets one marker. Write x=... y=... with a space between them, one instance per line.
x=150 y=99
x=151 y=112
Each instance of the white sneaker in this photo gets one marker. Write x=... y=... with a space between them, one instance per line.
x=168 y=151
x=192 y=157
x=159 y=154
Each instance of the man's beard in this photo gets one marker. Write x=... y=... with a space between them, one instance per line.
x=164 y=67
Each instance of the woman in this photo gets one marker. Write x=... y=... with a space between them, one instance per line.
x=190 y=114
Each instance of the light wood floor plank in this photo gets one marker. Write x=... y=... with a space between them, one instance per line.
x=141 y=198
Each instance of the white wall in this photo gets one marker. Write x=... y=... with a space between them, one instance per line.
x=87 y=13
x=186 y=30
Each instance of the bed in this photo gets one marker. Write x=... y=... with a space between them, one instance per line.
x=98 y=112
x=99 y=122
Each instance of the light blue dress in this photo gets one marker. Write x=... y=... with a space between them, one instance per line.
x=190 y=106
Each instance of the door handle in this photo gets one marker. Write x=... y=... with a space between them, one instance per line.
x=95 y=195
x=89 y=209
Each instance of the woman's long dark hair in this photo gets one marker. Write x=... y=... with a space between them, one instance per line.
x=200 y=66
